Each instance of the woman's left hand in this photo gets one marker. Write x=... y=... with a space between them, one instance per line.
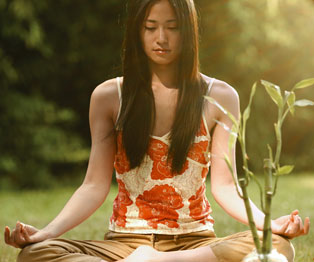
x=291 y=226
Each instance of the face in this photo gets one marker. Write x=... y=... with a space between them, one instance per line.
x=161 y=35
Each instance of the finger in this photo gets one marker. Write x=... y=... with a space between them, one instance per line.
x=297 y=224
x=306 y=228
x=30 y=237
x=18 y=234
x=12 y=239
x=26 y=235
x=30 y=229
x=12 y=236
x=17 y=228
x=7 y=235
x=301 y=226
x=294 y=228
x=284 y=227
x=295 y=212
x=296 y=220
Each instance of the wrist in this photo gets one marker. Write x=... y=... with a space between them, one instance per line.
x=273 y=227
x=50 y=232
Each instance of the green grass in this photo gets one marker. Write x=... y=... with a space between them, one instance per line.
x=39 y=207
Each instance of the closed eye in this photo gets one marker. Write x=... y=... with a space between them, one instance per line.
x=150 y=28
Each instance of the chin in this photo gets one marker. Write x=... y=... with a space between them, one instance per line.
x=162 y=61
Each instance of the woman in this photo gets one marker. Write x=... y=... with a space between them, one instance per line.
x=155 y=128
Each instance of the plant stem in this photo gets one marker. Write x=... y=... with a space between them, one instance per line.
x=250 y=218
x=275 y=187
x=267 y=233
x=278 y=139
x=269 y=165
x=245 y=196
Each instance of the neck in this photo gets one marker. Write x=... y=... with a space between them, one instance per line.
x=165 y=75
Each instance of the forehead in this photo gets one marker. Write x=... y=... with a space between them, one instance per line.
x=161 y=11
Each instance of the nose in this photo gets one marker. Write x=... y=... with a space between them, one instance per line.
x=162 y=36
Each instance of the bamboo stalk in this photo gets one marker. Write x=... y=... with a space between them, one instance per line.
x=250 y=218
x=245 y=195
x=267 y=233
x=271 y=167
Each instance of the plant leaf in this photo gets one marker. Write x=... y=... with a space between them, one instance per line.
x=232 y=138
x=284 y=170
x=247 y=111
x=304 y=102
x=228 y=162
x=274 y=92
x=290 y=100
x=304 y=83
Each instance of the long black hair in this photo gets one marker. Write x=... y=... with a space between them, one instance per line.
x=137 y=114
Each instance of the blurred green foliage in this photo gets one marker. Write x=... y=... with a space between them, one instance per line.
x=53 y=54
x=244 y=41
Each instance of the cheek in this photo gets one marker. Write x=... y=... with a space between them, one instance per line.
x=146 y=42
x=177 y=40
x=178 y=43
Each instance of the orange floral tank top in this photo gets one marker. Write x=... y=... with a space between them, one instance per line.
x=151 y=199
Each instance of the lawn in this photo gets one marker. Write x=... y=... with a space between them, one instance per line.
x=39 y=207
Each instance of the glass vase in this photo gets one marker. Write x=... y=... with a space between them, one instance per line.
x=274 y=256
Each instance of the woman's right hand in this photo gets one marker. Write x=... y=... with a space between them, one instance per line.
x=23 y=235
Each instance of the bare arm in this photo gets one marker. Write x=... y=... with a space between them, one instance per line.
x=222 y=185
x=96 y=185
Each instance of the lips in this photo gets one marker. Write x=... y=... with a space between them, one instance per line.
x=161 y=51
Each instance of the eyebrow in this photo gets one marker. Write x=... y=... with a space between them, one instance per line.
x=154 y=21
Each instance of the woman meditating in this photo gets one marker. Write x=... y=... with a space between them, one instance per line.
x=156 y=129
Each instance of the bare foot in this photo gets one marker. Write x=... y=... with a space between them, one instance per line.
x=143 y=254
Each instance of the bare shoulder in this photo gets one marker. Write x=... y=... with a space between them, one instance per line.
x=106 y=90
x=224 y=94
x=105 y=98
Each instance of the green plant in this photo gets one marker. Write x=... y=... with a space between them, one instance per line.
x=285 y=103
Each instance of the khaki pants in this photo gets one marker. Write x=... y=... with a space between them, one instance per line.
x=117 y=246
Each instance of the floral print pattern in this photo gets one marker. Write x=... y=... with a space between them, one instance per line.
x=121 y=163
x=120 y=205
x=159 y=201
x=198 y=151
x=199 y=205
x=159 y=205
x=158 y=152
